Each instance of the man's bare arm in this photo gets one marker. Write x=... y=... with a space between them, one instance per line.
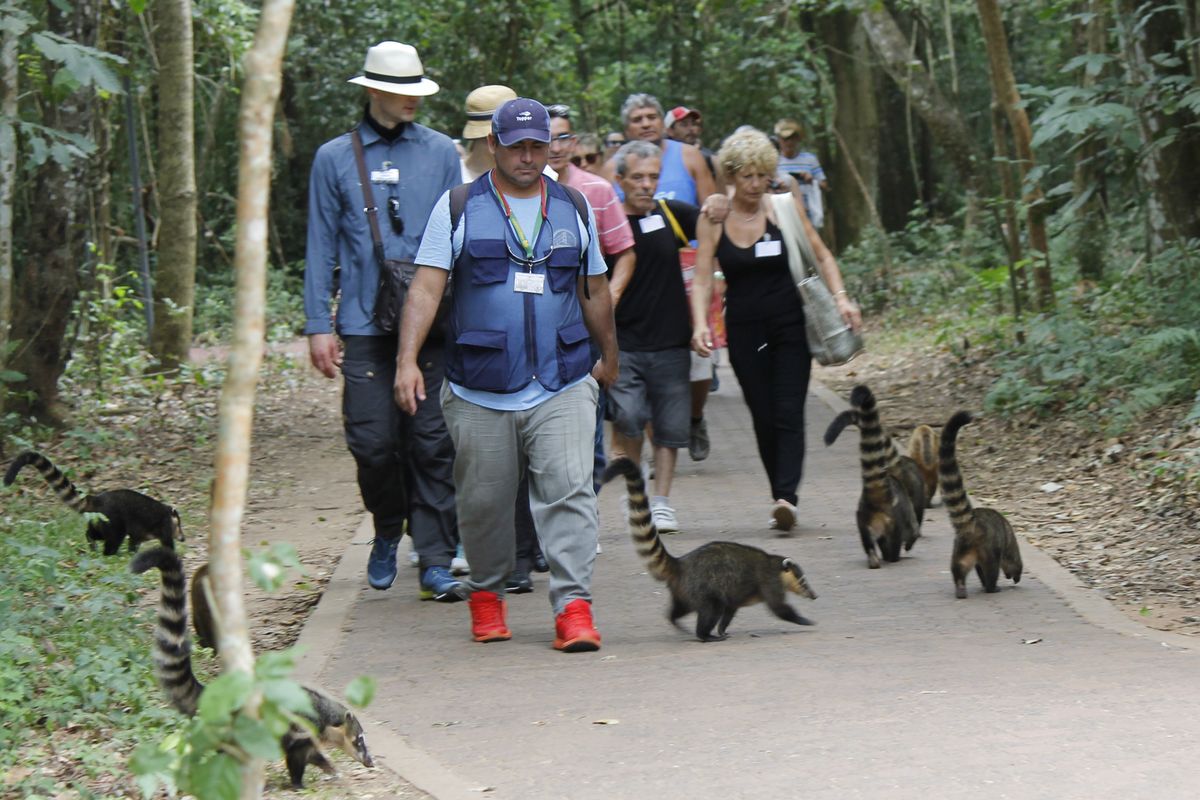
x=622 y=273
x=598 y=317
x=420 y=309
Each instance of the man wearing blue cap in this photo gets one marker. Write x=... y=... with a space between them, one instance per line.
x=521 y=388
x=369 y=196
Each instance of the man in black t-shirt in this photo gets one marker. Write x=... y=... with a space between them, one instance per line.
x=654 y=326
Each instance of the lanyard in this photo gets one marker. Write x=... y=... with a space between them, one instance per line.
x=512 y=218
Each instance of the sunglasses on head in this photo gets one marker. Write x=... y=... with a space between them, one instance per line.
x=590 y=158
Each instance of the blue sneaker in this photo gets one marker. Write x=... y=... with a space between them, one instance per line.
x=438 y=584
x=381 y=566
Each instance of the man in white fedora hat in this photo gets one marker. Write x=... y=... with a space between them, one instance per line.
x=371 y=191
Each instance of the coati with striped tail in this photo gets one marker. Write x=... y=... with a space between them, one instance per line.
x=923 y=450
x=334 y=724
x=983 y=538
x=125 y=512
x=715 y=579
x=892 y=505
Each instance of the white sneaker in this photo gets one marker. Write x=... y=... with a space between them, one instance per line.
x=458 y=564
x=414 y=558
x=663 y=517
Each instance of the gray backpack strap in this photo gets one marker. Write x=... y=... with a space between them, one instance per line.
x=458 y=201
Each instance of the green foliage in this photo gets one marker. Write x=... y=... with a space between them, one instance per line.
x=76 y=676
x=213 y=319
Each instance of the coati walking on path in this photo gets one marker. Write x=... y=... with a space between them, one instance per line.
x=715 y=579
x=335 y=725
x=923 y=450
x=125 y=512
x=983 y=538
x=892 y=504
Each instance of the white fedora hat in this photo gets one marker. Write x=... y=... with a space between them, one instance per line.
x=396 y=68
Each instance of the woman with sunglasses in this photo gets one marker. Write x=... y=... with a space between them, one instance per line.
x=587 y=153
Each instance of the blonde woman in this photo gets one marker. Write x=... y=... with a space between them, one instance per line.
x=763 y=316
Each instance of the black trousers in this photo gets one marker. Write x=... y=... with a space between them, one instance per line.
x=405 y=464
x=772 y=363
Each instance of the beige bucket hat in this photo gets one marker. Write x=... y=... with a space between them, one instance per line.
x=481 y=105
x=395 y=68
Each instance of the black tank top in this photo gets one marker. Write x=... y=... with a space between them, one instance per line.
x=756 y=287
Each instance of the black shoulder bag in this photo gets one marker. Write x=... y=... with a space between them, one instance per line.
x=394 y=276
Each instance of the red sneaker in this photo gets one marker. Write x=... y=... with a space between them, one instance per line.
x=573 y=629
x=487 y=618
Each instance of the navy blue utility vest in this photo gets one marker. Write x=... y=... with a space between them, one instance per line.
x=501 y=339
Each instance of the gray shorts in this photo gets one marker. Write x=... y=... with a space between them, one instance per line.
x=653 y=387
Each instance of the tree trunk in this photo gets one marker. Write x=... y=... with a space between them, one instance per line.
x=263 y=67
x=1088 y=180
x=856 y=120
x=1148 y=30
x=1004 y=88
x=8 y=176
x=944 y=121
x=175 y=278
x=46 y=283
x=1010 y=228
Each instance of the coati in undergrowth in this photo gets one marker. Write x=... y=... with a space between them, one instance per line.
x=715 y=579
x=125 y=512
x=334 y=724
x=983 y=538
x=202 y=618
x=923 y=450
x=892 y=504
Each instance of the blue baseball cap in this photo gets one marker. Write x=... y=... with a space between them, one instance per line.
x=521 y=119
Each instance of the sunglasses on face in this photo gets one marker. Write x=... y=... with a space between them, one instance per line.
x=613 y=142
x=588 y=158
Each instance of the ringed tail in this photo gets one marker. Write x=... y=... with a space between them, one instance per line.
x=954 y=495
x=660 y=564
x=59 y=482
x=839 y=424
x=172 y=647
x=876 y=450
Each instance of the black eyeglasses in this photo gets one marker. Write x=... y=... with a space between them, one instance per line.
x=559 y=110
x=562 y=137
x=613 y=142
x=590 y=158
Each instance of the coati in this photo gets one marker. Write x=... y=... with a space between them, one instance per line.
x=335 y=725
x=715 y=579
x=923 y=450
x=892 y=504
x=202 y=618
x=125 y=512
x=983 y=538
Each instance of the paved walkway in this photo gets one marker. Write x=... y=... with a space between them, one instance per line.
x=900 y=691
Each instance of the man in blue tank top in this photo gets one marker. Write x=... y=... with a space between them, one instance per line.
x=684 y=176
x=521 y=388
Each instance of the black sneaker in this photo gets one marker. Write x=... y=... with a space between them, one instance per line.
x=539 y=562
x=518 y=583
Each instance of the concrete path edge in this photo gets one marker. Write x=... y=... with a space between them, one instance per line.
x=321 y=637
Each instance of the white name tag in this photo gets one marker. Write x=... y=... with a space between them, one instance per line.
x=385 y=175
x=768 y=249
x=651 y=223
x=529 y=282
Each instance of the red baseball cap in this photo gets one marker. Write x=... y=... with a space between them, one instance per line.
x=680 y=112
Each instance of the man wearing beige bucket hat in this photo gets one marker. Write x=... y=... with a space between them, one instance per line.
x=370 y=193
x=481 y=104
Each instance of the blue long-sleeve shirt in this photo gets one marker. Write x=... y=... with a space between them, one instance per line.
x=339 y=234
